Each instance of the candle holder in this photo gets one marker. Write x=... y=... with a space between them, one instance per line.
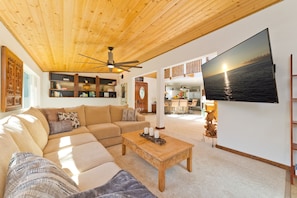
x=159 y=140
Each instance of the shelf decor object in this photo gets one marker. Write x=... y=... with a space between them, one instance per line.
x=86 y=86
x=11 y=81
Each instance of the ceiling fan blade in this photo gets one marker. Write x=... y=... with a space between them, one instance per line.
x=122 y=68
x=92 y=58
x=127 y=62
x=130 y=66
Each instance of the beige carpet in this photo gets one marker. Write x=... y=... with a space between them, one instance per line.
x=216 y=173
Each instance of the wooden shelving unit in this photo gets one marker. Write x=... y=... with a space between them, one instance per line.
x=293 y=102
x=67 y=85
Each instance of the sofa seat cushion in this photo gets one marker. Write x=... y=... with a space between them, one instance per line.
x=76 y=159
x=111 y=141
x=7 y=148
x=56 y=144
x=97 y=115
x=129 y=126
x=96 y=176
x=33 y=176
x=79 y=130
x=106 y=130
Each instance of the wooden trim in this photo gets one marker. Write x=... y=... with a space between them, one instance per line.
x=75 y=81
x=254 y=157
x=292 y=122
x=97 y=86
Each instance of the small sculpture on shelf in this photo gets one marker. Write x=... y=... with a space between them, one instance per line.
x=210 y=126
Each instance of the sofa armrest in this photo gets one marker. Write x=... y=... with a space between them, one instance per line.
x=140 y=117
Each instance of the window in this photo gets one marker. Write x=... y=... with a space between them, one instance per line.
x=30 y=88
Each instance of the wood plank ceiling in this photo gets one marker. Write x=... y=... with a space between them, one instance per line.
x=54 y=32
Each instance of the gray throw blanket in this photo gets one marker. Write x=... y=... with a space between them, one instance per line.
x=123 y=184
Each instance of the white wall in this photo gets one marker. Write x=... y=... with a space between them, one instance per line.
x=255 y=128
x=6 y=39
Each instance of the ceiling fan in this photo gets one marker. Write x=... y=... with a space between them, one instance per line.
x=125 y=66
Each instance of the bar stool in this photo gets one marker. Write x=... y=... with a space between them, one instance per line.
x=193 y=104
x=174 y=105
x=183 y=104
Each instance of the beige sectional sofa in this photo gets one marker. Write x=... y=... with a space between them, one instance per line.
x=80 y=153
x=104 y=122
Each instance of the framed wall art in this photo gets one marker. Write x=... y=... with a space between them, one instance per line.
x=11 y=80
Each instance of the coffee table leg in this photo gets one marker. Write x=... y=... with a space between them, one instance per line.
x=123 y=149
x=161 y=178
x=189 y=161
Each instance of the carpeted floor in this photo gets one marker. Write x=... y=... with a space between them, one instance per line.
x=216 y=173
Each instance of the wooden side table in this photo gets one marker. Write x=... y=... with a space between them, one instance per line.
x=154 y=107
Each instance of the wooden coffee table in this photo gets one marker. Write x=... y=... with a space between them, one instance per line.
x=160 y=156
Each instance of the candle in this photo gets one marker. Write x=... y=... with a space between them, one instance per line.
x=157 y=135
x=146 y=130
x=151 y=131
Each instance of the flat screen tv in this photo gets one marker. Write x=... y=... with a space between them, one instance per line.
x=242 y=73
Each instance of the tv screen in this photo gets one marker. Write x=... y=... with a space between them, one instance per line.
x=242 y=73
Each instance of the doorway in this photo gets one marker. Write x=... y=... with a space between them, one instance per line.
x=141 y=97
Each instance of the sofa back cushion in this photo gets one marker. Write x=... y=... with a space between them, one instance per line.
x=21 y=136
x=80 y=113
x=52 y=113
x=97 y=114
x=116 y=112
x=7 y=148
x=35 y=128
x=40 y=116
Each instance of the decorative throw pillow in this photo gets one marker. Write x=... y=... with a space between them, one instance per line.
x=129 y=115
x=60 y=126
x=72 y=116
x=33 y=176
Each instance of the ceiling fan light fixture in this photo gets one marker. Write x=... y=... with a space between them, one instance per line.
x=110 y=66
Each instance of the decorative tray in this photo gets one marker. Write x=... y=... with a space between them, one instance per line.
x=159 y=141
